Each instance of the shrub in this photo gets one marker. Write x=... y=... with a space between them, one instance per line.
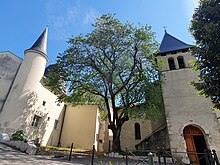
x=18 y=136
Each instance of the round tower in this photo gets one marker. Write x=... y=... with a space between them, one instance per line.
x=33 y=65
x=23 y=94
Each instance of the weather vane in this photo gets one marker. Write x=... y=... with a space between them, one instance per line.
x=165 y=28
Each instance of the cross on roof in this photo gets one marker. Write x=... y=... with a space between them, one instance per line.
x=165 y=28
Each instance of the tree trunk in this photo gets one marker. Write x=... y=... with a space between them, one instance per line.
x=116 y=146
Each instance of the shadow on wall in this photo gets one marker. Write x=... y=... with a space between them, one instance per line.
x=33 y=118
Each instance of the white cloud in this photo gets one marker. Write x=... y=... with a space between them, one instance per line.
x=64 y=17
x=90 y=16
x=189 y=7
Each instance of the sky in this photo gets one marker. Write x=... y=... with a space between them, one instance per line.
x=23 y=21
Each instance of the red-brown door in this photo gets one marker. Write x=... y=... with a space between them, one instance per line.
x=194 y=136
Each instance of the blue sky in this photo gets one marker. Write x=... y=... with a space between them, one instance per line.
x=23 y=21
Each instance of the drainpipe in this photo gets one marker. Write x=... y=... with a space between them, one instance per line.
x=61 y=131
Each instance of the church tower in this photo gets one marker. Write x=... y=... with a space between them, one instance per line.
x=23 y=94
x=192 y=124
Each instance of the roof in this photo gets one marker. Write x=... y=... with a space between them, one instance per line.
x=41 y=44
x=48 y=69
x=170 y=43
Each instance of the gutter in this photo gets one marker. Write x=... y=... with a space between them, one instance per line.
x=61 y=131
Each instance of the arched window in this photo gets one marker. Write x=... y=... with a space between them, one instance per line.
x=181 y=62
x=171 y=63
x=137 y=130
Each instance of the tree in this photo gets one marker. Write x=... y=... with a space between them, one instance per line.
x=205 y=27
x=113 y=66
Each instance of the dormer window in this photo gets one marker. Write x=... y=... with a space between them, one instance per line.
x=171 y=63
x=181 y=62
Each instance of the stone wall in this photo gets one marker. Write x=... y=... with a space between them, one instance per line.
x=184 y=107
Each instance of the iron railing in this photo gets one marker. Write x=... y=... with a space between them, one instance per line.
x=208 y=157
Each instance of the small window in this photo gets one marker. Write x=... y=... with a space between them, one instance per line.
x=44 y=103
x=171 y=63
x=137 y=130
x=156 y=60
x=36 y=121
x=56 y=124
x=181 y=62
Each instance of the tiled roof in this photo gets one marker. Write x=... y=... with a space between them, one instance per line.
x=170 y=43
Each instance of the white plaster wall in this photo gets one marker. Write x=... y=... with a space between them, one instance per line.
x=79 y=126
x=50 y=112
x=25 y=100
x=23 y=95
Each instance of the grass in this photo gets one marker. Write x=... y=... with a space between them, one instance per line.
x=53 y=148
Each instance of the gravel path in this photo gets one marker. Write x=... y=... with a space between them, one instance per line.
x=9 y=156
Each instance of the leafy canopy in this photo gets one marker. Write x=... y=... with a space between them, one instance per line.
x=112 y=66
x=205 y=27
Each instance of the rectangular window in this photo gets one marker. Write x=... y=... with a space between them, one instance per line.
x=36 y=121
x=44 y=103
x=56 y=124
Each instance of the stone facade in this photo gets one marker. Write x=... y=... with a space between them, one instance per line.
x=183 y=106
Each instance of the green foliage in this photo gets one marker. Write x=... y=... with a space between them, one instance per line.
x=205 y=27
x=18 y=136
x=113 y=66
x=153 y=106
x=103 y=115
x=54 y=148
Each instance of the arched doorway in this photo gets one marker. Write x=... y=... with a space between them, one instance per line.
x=195 y=143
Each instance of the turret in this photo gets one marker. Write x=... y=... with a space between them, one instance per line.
x=24 y=92
x=33 y=65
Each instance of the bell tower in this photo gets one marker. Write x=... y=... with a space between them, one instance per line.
x=183 y=107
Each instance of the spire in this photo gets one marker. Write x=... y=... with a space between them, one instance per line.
x=41 y=44
x=170 y=43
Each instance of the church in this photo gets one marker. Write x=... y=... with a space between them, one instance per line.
x=188 y=123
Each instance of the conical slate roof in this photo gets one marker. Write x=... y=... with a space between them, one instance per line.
x=41 y=43
x=170 y=43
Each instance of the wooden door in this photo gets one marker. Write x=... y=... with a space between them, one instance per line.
x=189 y=133
x=191 y=149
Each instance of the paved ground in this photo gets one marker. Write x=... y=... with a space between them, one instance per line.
x=9 y=156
